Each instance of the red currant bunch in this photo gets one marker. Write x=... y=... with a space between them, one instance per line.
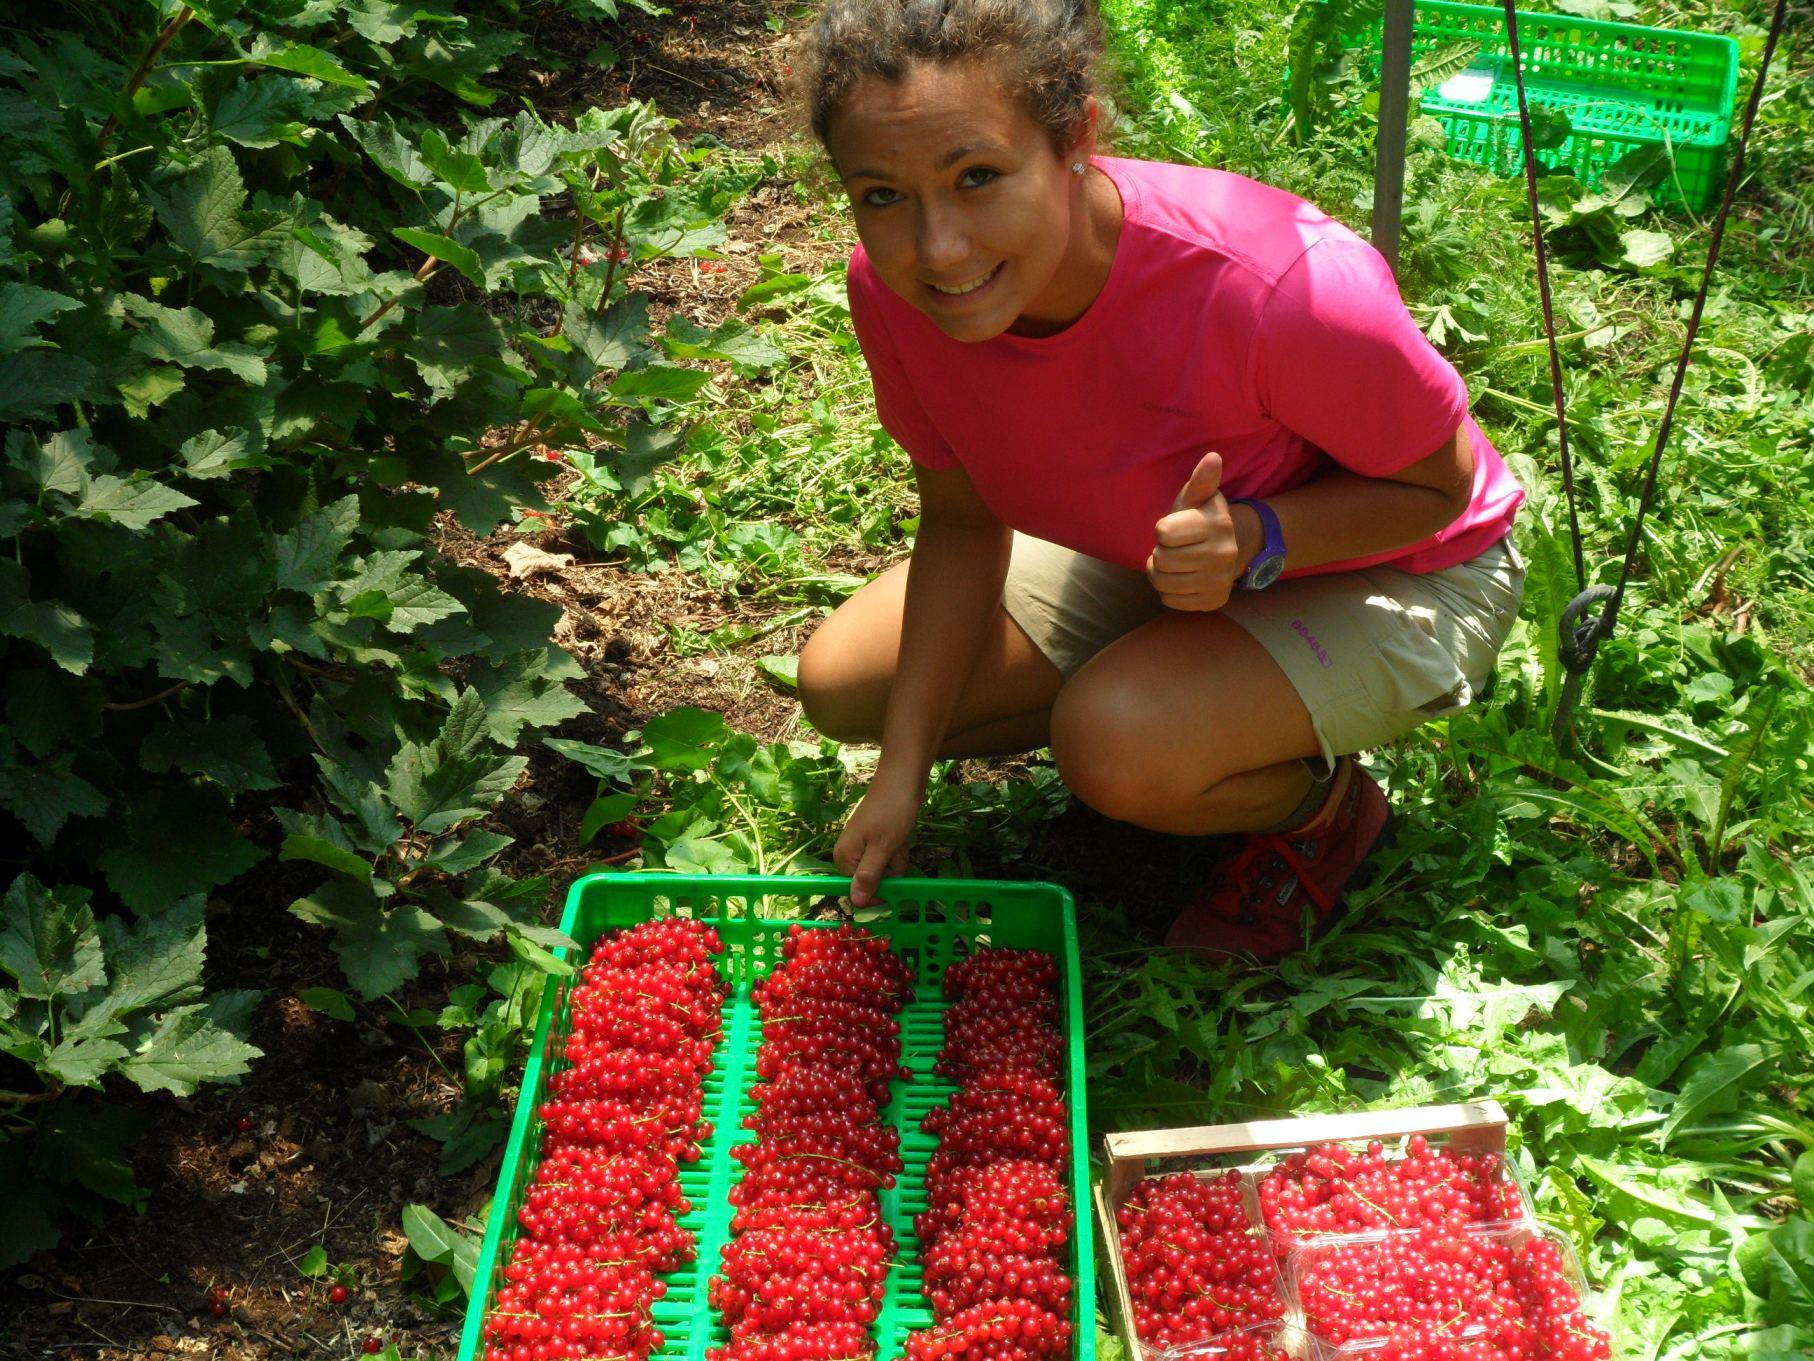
x=599 y=1220
x=803 y=1276
x=1332 y=1189
x=997 y=1222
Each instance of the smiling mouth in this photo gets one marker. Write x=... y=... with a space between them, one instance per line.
x=961 y=289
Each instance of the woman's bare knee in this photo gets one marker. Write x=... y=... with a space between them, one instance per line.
x=1117 y=756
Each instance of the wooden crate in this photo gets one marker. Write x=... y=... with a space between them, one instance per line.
x=1475 y=1127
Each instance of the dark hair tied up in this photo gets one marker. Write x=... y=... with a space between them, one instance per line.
x=1047 y=49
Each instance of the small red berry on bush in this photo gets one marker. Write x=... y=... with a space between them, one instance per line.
x=373 y=1346
x=337 y=1295
x=243 y=1124
x=218 y=1309
x=218 y=1295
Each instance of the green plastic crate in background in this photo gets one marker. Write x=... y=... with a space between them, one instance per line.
x=932 y=923
x=1623 y=87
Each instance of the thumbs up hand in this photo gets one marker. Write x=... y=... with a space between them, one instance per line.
x=1196 y=557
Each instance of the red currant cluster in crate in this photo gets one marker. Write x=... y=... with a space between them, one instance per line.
x=994 y=1233
x=803 y=1275
x=1334 y=1190
x=1196 y=1266
x=1440 y=1295
x=598 y=1219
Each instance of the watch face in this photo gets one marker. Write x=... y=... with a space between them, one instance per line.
x=1263 y=573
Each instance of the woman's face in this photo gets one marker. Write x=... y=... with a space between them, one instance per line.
x=964 y=206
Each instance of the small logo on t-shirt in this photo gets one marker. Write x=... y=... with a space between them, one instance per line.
x=1171 y=410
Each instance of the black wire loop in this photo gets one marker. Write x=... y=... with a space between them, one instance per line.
x=1583 y=627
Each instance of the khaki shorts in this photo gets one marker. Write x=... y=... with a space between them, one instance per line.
x=1373 y=653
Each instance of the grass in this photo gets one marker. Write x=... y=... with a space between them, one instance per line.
x=1613 y=935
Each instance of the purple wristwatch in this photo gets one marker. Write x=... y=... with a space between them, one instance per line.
x=1270 y=560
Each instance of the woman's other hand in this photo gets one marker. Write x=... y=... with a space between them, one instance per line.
x=1198 y=551
x=874 y=842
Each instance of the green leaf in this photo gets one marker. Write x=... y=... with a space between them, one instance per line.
x=131 y=504
x=604 y=811
x=665 y=382
x=518 y=693
x=263 y=112
x=47 y=709
x=44 y=799
x=1646 y=248
x=389 y=149
x=86 y=1145
x=330 y=1002
x=611 y=341
x=601 y=761
x=202 y=209
x=202 y=1042
x=48 y=940
x=35 y=383
x=685 y=738
x=440 y=784
x=1714 y=1080
x=82 y=1062
x=456 y=855
x=1778 y=1266
x=186 y=337
x=454 y=167
x=1802 y=1177
x=214 y=453
x=1644 y=165
x=734 y=340
x=321 y=851
x=378 y=949
x=700 y=855
x=314 y=1262
x=416 y=601
x=56 y=628
x=450 y=341
x=22 y=307
x=227 y=750
x=307 y=556
x=462 y=258
x=312 y=61
x=174 y=844
x=29 y=1225
x=154 y=962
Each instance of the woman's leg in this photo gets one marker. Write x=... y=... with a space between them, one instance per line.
x=847 y=668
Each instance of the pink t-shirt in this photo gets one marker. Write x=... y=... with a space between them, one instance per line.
x=1236 y=317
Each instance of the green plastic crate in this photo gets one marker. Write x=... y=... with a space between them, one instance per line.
x=932 y=923
x=1623 y=87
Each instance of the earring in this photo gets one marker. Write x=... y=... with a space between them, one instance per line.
x=1077 y=167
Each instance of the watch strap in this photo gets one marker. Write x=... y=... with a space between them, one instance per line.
x=1272 y=544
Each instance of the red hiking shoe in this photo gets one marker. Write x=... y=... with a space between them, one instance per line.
x=1255 y=904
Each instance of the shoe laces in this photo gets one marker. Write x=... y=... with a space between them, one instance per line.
x=1255 y=868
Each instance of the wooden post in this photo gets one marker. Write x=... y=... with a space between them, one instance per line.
x=1394 y=121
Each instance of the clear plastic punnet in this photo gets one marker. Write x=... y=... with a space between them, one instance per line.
x=1264 y=1342
x=1339 y=1188
x=1438 y=1295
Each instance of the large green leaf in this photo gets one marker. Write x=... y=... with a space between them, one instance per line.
x=200 y=1042
x=88 y=1144
x=518 y=693
x=185 y=336
x=378 y=949
x=48 y=940
x=173 y=844
x=203 y=210
x=1779 y=1268
x=685 y=738
x=392 y=152
x=1716 y=1079
x=22 y=307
